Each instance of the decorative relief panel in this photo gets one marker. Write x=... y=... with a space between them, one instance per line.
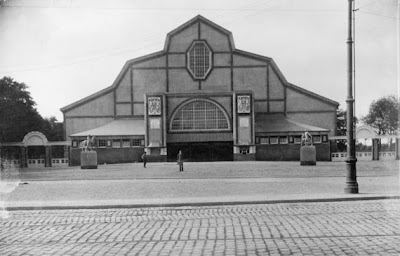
x=154 y=106
x=243 y=104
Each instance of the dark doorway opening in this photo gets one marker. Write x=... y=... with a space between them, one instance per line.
x=201 y=151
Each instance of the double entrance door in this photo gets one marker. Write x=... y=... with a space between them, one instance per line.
x=201 y=151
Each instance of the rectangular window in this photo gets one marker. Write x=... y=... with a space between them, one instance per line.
x=126 y=143
x=291 y=139
x=74 y=143
x=264 y=140
x=257 y=140
x=324 y=138
x=135 y=143
x=316 y=139
x=297 y=139
x=273 y=140
x=102 y=143
x=283 y=140
x=116 y=143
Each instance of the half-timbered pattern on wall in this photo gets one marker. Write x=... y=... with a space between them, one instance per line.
x=203 y=96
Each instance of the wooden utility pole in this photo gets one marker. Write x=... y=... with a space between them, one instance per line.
x=351 y=173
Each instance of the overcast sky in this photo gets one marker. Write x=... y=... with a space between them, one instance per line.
x=65 y=50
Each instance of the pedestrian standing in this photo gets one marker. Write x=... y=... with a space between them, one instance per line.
x=144 y=158
x=180 y=161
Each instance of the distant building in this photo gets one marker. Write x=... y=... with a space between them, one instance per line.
x=203 y=96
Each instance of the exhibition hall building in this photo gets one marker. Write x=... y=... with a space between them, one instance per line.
x=205 y=97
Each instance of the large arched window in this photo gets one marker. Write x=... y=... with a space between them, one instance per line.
x=199 y=115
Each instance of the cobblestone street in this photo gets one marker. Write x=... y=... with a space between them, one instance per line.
x=335 y=228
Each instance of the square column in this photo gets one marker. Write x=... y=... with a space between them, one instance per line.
x=155 y=127
x=243 y=127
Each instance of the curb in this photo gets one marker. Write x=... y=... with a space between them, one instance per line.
x=231 y=203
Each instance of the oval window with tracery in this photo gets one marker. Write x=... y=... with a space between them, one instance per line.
x=199 y=58
x=199 y=115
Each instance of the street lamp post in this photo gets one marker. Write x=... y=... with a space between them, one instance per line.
x=351 y=173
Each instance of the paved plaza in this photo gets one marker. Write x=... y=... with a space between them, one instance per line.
x=325 y=228
x=220 y=208
x=161 y=184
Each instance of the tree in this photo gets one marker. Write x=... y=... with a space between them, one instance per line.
x=18 y=115
x=52 y=129
x=341 y=122
x=383 y=115
x=341 y=127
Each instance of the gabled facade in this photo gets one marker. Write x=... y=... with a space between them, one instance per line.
x=203 y=96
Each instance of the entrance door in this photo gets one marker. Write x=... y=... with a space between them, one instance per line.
x=201 y=151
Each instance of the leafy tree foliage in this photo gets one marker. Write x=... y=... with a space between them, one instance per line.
x=341 y=127
x=341 y=122
x=384 y=115
x=18 y=114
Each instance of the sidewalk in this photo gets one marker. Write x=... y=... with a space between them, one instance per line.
x=216 y=183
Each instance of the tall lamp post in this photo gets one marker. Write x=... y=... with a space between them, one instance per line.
x=351 y=173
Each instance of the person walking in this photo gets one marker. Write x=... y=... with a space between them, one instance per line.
x=180 y=161
x=144 y=158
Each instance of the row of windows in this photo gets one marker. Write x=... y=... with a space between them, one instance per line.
x=289 y=139
x=365 y=154
x=116 y=143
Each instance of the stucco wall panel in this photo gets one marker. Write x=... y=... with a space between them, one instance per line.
x=101 y=106
x=222 y=59
x=218 y=80
x=177 y=60
x=180 y=42
x=181 y=81
x=216 y=40
x=277 y=106
x=240 y=60
x=148 y=81
x=123 y=91
x=124 y=109
x=153 y=62
x=325 y=120
x=276 y=88
x=261 y=106
x=300 y=102
x=138 y=109
x=251 y=79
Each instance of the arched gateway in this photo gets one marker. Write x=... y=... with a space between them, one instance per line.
x=35 y=151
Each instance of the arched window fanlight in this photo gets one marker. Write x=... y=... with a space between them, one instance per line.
x=199 y=115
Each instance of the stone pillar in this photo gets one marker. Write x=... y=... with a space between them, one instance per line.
x=397 y=148
x=155 y=127
x=243 y=127
x=24 y=157
x=67 y=154
x=47 y=158
x=375 y=149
